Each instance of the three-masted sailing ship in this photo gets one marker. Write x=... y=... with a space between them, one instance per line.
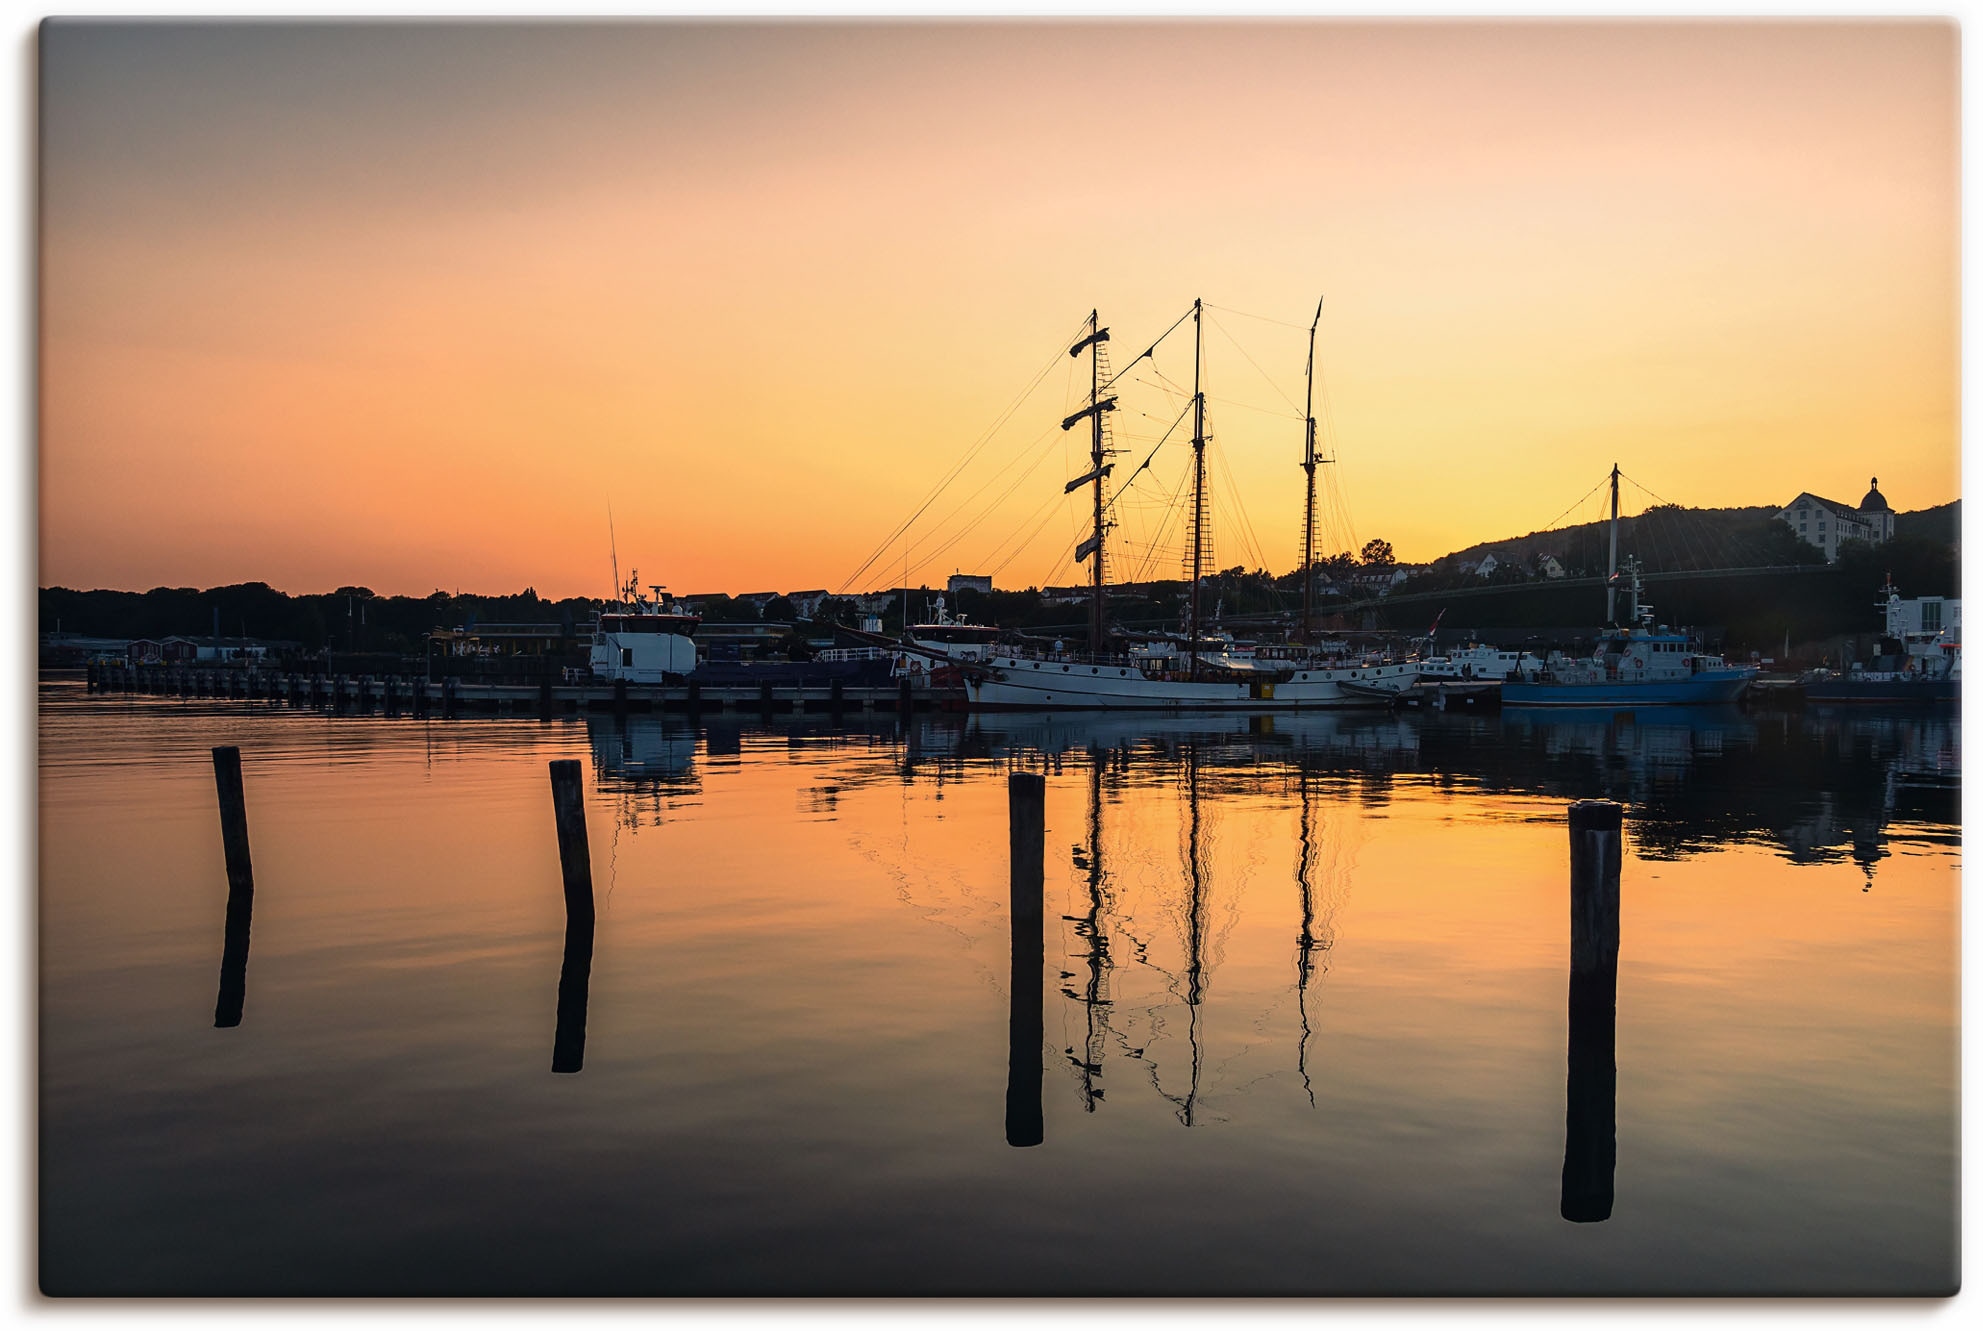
x=1198 y=670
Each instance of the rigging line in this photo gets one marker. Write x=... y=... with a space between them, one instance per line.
x=972 y=525
x=1016 y=535
x=1256 y=365
x=1551 y=525
x=1030 y=538
x=1156 y=546
x=1263 y=318
x=1245 y=524
x=1147 y=352
x=1275 y=412
x=965 y=461
x=936 y=531
x=1153 y=453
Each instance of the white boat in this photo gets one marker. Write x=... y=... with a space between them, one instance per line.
x=1476 y=662
x=952 y=639
x=1008 y=680
x=643 y=639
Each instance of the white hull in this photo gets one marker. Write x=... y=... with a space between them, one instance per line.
x=1021 y=684
x=642 y=658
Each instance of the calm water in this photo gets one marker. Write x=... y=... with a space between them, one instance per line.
x=1304 y=1006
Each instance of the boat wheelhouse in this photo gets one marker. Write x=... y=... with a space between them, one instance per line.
x=644 y=639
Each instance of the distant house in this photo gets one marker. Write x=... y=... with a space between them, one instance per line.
x=1828 y=524
x=970 y=582
x=806 y=604
x=144 y=651
x=224 y=649
x=1550 y=567
x=1487 y=565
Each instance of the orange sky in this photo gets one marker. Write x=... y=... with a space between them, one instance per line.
x=407 y=306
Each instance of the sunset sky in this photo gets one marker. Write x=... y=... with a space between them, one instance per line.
x=409 y=306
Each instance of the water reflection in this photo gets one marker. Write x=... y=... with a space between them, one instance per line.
x=1025 y=1120
x=803 y=1064
x=234 y=959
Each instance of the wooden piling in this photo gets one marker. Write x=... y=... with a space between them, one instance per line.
x=240 y=885
x=620 y=698
x=1590 y=1149
x=575 y=862
x=544 y=700
x=1026 y=794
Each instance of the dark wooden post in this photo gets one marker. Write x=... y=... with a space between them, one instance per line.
x=1026 y=794
x=1590 y=1149
x=620 y=698
x=905 y=700
x=836 y=698
x=695 y=697
x=575 y=860
x=447 y=697
x=544 y=700
x=240 y=885
x=764 y=697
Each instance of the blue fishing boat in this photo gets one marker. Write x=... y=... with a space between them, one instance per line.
x=1638 y=664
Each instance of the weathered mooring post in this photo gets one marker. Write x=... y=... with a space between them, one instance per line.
x=905 y=699
x=620 y=699
x=1026 y=796
x=240 y=885
x=1590 y=1149
x=544 y=700
x=694 y=703
x=836 y=697
x=575 y=860
x=447 y=697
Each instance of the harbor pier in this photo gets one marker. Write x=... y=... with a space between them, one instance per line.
x=396 y=695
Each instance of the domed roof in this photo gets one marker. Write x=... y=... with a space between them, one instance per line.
x=1874 y=502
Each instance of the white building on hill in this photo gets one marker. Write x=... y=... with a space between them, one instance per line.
x=1827 y=524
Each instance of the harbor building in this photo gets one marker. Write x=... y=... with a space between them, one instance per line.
x=970 y=582
x=1828 y=524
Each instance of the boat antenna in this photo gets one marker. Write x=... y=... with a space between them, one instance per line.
x=1308 y=511
x=613 y=540
x=1197 y=469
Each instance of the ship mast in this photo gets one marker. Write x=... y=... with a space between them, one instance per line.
x=1098 y=469
x=1308 y=512
x=1611 y=574
x=1197 y=470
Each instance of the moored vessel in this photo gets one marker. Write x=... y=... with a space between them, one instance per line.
x=1917 y=665
x=1637 y=663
